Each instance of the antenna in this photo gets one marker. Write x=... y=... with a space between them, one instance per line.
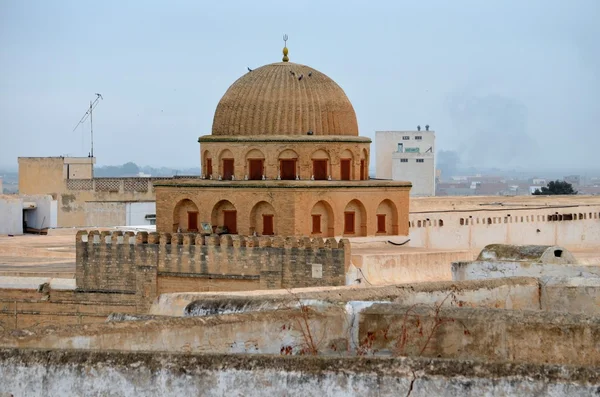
x=87 y=114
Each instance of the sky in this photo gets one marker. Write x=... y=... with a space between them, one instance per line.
x=504 y=83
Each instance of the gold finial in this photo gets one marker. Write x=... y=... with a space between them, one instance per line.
x=285 y=50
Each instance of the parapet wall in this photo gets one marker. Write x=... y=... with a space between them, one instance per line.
x=574 y=227
x=113 y=261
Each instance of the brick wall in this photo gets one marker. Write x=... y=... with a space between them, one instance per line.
x=149 y=264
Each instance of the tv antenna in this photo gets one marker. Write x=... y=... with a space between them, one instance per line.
x=87 y=114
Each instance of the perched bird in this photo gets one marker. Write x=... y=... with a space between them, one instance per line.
x=292 y=72
x=249 y=69
x=309 y=74
x=300 y=78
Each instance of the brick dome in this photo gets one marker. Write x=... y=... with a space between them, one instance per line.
x=284 y=98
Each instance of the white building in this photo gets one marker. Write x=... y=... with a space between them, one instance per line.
x=22 y=213
x=407 y=156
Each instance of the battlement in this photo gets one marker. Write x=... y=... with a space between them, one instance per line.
x=197 y=239
x=115 y=262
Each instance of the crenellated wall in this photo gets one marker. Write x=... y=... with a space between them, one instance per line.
x=148 y=264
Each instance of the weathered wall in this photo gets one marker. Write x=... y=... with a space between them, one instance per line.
x=480 y=270
x=26 y=308
x=405 y=267
x=81 y=199
x=483 y=334
x=109 y=261
x=571 y=294
x=11 y=215
x=43 y=373
x=102 y=214
x=512 y=293
x=576 y=226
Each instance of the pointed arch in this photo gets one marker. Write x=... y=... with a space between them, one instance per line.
x=355 y=219
x=322 y=219
x=185 y=217
x=263 y=219
x=387 y=218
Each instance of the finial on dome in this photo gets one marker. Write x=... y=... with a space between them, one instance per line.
x=285 y=49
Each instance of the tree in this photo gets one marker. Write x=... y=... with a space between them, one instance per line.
x=555 y=187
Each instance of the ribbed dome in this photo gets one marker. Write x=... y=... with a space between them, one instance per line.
x=271 y=100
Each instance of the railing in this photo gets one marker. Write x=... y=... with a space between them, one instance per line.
x=141 y=185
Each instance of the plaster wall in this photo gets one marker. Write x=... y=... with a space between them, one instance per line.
x=81 y=199
x=476 y=229
x=43 y=216
x=482 y=334
x=136 y=213
x=386 y=145
x=11 y=215
x=418 y=169
x=42 y=373
x=99 y=214
x=405 y=267
x=571 y=294
x=481 y=270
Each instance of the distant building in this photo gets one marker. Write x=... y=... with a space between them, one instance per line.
x=574 y=180
x=82 y=199
x=21 y=213
x=407 y=156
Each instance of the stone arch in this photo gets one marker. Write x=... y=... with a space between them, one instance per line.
x=185 y=214
x=364 y=165
x=207 y=164
x=226 y=155
x=287 y=164
x=346 y=161
x=322 y=213
x=258 y=213
x=387 y=216
x=320 y=164
x=355 y=219
x=223 y=214
x=254 y=164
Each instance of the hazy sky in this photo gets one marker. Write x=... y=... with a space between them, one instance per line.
x=505 y=83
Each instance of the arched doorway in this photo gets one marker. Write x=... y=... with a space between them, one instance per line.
x=346 y=165
x=227 y=165
x=185 y=217
x=386 y=218
x=355 y=219
x=207 y=164
x=322 y=220
x=224 y=214
x=364 y=165
x=263 y=219
x=320 y=165
x=288 y=164
x=255 y=165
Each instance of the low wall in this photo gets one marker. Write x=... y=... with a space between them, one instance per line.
x=571 y=226
x=27 y=308
x=270 y=325
x=404 y=266
x=43 y=373
x=513 y=293
x=571 y=294
x=482 y=334
x=108 y=261
x=481 y=270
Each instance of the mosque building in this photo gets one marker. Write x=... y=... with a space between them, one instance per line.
x=284 y=158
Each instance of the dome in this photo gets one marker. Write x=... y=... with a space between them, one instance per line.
x=284 y=98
